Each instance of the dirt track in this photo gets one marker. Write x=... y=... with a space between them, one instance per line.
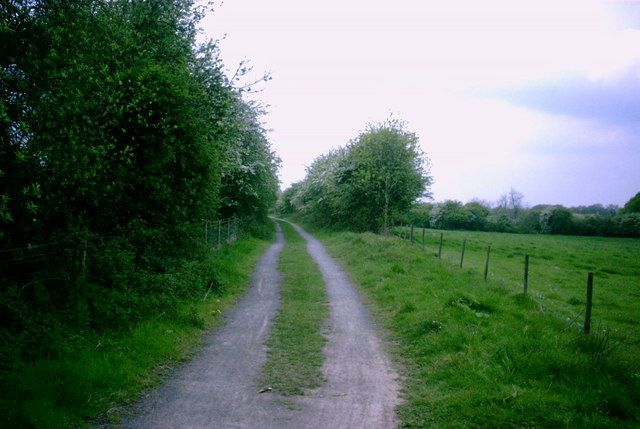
x=217 y=388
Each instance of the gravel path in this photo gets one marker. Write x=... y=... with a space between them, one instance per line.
x=217 y=388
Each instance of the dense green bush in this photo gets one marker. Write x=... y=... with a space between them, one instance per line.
x=119 y=139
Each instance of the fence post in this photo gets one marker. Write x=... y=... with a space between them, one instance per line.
x=412 y=234
x=526 y=273
x=464 y=244
x=440 y=248
x=587 y=314
x=235 y=223
x=486 y=264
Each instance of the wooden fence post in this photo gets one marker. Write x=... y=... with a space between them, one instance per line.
x=587 y=314
x=440 y=248
x=235 y=228
x=526 y=273
x=464 y=244
x=486 y=264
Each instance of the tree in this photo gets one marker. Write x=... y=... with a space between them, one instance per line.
x=557 y=220
x=632 y=206
x=529 y=222
x=478 y=215
x=450 y=215
x=113 y=124
x=385 y=172
x=420 y=214
x=509 y=204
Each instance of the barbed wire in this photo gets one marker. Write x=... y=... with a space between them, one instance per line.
x=605 y=282
x=613 y=313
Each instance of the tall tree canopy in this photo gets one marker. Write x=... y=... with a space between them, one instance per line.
x=377 y=177
x=115 y=125
x=632 y=206
x=386 y=172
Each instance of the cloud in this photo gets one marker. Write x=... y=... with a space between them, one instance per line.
x=613 y=101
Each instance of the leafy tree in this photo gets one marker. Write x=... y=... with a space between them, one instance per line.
x=632 y=206
x=319 y=196
x=558 y=220
x=249 y=181
x=478 y=215
x=529 y=222
x=627 y=225
x=420 y=214
x=385 y=172
x=450 y=215
x=285 y=204
x=113 y=123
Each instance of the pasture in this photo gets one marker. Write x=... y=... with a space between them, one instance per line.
x=557 y=272
x=476 y=353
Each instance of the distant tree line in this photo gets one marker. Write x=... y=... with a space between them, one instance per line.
x=509 y=215
x=116 y=129
x=367 y=185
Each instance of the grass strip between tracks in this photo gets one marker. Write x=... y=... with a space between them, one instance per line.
x=476 y=354
x=296 y=340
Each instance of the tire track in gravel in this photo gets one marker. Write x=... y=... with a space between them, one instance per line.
x=217 y=388
x=362 y=388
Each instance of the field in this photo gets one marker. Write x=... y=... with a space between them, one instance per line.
x=476 y=353
x=557 y=274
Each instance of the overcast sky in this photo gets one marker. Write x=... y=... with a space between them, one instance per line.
x=542 y=96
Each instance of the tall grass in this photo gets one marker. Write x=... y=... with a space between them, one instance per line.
x=103 y=372
x=476 y=354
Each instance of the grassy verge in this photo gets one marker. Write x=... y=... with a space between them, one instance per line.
x=477 y=354
x=295 y=341
x=111 y=369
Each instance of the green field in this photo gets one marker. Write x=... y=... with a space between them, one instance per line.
x=482 y=354
x=558 y=268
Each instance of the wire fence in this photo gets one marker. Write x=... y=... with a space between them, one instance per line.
x=609 y=308
x=64 y=260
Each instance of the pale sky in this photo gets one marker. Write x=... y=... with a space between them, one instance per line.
x=542 y=96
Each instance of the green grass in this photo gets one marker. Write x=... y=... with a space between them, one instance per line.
x=110 y=370
x=558 y=268
x=477 y=354
x=295 y=341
